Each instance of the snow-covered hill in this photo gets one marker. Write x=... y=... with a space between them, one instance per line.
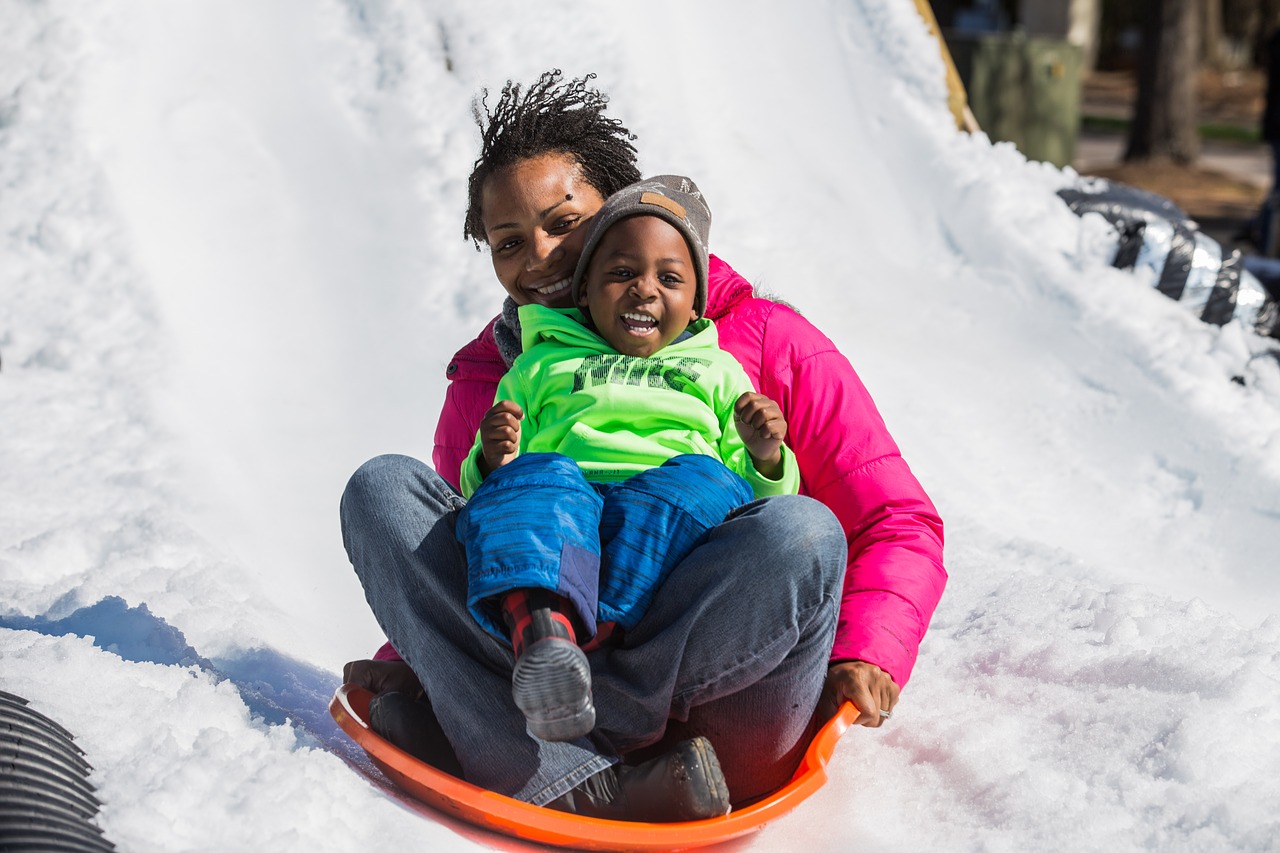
x=231 y=269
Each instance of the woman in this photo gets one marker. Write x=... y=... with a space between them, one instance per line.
x=739 y=643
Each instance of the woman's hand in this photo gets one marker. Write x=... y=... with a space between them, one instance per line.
x=499 y=436
x=866 y=685
x=383 y=676
x=762 y=427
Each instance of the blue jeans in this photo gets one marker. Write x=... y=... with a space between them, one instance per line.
x=734 y=645
x=536 y=523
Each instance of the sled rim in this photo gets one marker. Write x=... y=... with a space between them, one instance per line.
x=499 y=813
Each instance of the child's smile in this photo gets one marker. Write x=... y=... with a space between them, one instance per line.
x=639 y=324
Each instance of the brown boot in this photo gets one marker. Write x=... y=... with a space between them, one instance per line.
x=411 y=724
x=684 y=784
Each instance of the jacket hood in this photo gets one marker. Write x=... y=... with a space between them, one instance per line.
x=565 y=325
x=725 y=289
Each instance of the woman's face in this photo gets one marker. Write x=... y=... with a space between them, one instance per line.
x=534 y=212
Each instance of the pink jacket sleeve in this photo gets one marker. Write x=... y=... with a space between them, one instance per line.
x=474 y=374
x=454 y=436
x=848 y=460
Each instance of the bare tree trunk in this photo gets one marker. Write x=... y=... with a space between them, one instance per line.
x=1164 y=117
x=1211 y=27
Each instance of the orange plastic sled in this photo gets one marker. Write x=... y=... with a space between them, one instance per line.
x=350 y=707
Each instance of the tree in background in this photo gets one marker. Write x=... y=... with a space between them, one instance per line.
x=1247 y=24
x=1164 y=116
x=1211 y=34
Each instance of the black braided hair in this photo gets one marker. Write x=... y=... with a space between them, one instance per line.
x=550 y=116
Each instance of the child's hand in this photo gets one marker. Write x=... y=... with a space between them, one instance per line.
x=499 y=436
x=762 y=427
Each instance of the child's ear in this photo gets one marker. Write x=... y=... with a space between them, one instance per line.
x=582 y=296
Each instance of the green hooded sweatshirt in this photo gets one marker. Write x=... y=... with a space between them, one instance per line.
x=617 y=415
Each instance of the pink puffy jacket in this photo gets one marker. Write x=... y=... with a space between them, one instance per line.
x=847 y=460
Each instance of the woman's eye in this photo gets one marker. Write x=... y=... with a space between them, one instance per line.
x=565 y=224
x=506 y=245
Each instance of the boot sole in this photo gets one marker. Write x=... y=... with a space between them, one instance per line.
x=707 y=792
x=551 y=685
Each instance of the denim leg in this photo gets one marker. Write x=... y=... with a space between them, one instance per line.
x=533 y=524
x=652 y=521
x=398 y=522
x=735 y=644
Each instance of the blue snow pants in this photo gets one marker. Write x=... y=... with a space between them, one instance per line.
x=606 y=547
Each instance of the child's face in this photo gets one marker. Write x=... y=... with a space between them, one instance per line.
x=640 y=286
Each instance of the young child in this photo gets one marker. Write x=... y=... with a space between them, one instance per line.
x=620 y=437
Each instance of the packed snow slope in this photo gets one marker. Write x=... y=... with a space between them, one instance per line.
x=231 y=269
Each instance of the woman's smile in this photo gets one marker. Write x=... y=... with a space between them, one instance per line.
x=549 y=290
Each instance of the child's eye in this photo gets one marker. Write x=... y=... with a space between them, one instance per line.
x=621 y=272
x=671 y=279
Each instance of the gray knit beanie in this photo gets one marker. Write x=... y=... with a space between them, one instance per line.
x=672 y=198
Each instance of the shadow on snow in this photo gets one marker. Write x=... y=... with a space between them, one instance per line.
x=275 y=687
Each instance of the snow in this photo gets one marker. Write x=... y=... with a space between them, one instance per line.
x=231 y=269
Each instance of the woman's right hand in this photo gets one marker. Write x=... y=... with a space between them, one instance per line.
x=871 y=690
x=500 y=435
x=383 y=676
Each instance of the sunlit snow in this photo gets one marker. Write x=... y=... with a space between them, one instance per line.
x=232 y=269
